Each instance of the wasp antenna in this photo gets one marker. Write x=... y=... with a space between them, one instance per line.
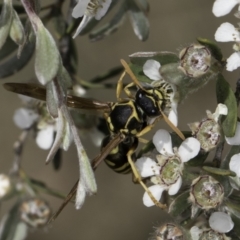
x=172 y=126
x=131 y=74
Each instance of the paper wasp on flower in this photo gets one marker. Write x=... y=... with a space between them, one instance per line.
x=128 y=119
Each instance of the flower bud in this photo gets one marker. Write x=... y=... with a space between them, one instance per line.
x=35 y=212
x=195 y=60
x=206 y=192
x=208 y=131
x=168 y=231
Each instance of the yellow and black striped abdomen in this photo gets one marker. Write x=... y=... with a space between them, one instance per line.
x=117 y=158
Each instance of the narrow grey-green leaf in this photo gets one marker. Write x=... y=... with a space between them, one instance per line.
x=17 y=30
x=163 y=58
x=219 y=171
x=51 y=101
x=139 y=21
x=233 y=208
x=10 y=223
x=47 y=60
x=5 y=21
x=179 y=204
x=109 y=27
x=225 y=95
x=9 y=47
x=213 y=47
x=59 y=24
x=15 y=64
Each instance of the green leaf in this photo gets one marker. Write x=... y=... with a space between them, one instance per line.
x=138 y=20
x=17 y=30
x=15 y=64
x=179 y=204
x=58 y=22
x=108 y=28
x=5 y=21
x=11 y=230
x=47 y=60
x=163 y=58
x=219 y=171
x=9 y=47
x=146 y=148
x=213 y=47
x=138 y=72
x=225 y=95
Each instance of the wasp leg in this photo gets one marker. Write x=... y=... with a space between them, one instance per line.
x=120 y=86
x=128 y=92
x=172 y=126
x=139 y=179
x=131 y=74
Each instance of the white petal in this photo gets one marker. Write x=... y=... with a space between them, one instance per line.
x=174 y=188
x=163 y=142
x=220 y=110
x=80 y=8
x=151 y=69
x=156 y=191
x=233 y=62
x=223 y=7
x=44 y=137
x=173 y=115
x=103 y=9
x=24 y=118
x=227 y=33
x=221 y=222
x=147 y=167
x=83 y=23
x=5 y=185
x=234 y=164
x=195 y=232
x=235 y=140
x=189 y=149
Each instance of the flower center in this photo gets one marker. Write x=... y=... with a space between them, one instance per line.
x=93 y=7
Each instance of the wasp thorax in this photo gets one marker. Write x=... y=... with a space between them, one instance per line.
x=195 y=60
x=171 y=169
x=35 y=212
x=206 y=192
x=168 y=231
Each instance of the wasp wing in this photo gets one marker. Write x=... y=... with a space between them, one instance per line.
x=95 y=162
x=38 y=92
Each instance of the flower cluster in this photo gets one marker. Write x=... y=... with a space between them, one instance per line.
x=166 y=172
x=227 y=32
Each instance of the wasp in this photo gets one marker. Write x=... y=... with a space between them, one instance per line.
x=127 y=120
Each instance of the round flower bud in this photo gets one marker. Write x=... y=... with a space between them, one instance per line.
x=206 y=192
x=5 y=185
x=168 y=231
x=35 y=212
x=195 y=60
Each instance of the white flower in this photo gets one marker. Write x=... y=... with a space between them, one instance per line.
x=228 y=33
x=89 y=9
x=223 y=7
x=221 y=222
x=235 y=140
x=24 y=118
x=151 y=70
x=45 y=137
x=166 y=173
x=234 y=164
x=5 y=185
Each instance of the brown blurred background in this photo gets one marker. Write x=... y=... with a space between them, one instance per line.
x=116 y=212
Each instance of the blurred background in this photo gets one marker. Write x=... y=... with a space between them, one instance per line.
x=117 y=211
